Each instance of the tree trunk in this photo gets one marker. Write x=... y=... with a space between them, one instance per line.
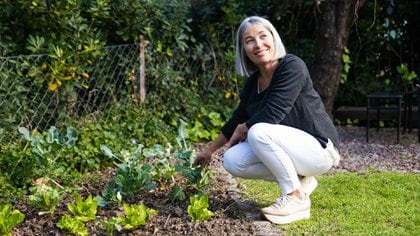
x=333 y=22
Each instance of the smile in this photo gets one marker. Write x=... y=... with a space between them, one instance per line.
x=262 y=53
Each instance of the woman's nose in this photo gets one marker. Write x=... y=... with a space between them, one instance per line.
x=258 y=43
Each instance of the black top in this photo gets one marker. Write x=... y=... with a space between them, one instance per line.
x=290 y=100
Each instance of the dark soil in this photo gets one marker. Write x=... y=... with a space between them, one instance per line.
x=381 y=153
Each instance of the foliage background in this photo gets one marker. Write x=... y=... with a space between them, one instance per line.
x=189 y=69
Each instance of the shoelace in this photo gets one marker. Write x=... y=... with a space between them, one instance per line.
x=282 y=200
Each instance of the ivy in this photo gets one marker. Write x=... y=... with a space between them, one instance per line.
x=346 y=65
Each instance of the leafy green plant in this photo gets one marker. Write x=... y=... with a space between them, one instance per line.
x=136 y=215
x=346 y=67
x=185 y=157
x=44 y=197
x=206 y=125
x=9 y=219
x=84 y=210
x=160 y=158
x=131 y=175
x=178 y=193
x=111 y=225
x=8 y=192
x=406 y=75
x=49 y=147
x=198 y=208
x=72 y=225
x=44 y=145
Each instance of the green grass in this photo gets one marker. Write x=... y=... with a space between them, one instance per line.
x=385 y=203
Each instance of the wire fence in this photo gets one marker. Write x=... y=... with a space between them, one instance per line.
x=26 y=100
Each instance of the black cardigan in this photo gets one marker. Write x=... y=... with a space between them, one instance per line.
x=290 y=100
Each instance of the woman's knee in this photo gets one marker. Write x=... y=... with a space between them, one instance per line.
x=229 y=162
x=257 y=133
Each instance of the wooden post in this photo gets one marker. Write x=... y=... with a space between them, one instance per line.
x=142 y=77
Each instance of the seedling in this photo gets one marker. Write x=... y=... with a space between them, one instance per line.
x=111 y=225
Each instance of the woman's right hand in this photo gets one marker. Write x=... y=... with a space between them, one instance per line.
x=203 y=158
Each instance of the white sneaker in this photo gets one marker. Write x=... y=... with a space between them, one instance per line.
x=287 y=209
x=308 y=184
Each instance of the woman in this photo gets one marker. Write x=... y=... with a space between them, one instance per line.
x=280 y=130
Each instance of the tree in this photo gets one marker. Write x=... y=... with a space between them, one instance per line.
x=333 y=22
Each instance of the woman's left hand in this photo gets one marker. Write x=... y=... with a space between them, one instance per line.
x=238 y=135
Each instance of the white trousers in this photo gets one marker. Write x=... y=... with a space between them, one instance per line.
x=278 y=153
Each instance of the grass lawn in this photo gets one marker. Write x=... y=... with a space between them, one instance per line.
x=385 y=203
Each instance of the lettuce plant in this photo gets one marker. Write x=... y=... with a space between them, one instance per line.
x=136 y=215
x=197 y=209
x=44 y=197
x=72 y=225
x=9 y=219
x=84 y=210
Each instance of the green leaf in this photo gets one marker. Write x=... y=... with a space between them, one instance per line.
x=84 y=210
x=197 y=209
x=136 y=215
x=45 y=198
x=111 y=225
x=9 y=219
x=216 y=119
x=101 y=201
x=72 y=225
x=177 y=193
x=182 y=135
x=138 y=151
x=71 y=136
x=107 y=151
x=35 y=44
x=25 y=132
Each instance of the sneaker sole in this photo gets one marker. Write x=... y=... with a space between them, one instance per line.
x=287 y=219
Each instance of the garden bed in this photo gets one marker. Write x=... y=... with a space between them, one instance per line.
x=172 y=219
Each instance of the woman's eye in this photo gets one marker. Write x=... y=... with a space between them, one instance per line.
x=248 y=41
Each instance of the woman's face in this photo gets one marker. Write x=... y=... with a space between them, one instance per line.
x=258 y=44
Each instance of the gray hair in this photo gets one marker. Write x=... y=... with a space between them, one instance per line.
x=244 y=66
